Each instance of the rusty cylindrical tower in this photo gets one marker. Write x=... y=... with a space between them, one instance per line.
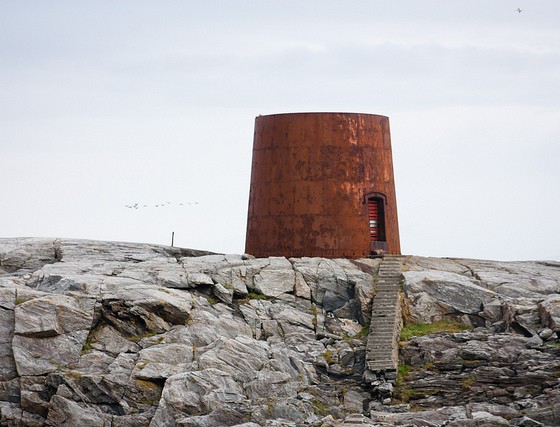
x=322 y=185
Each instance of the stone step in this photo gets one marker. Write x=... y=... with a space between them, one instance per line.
x=386 y=334
x=381 y=359
x=382 y=364
x=380 y=347
x=377 y=344
x=386 y=360
x=383 y=334
x=382 y=312
x=385 y=366
x=383 y=331
x=378 y=337
x=373 y=350
x=378 y=355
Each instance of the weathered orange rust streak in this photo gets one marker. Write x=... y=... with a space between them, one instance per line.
x=310 y=176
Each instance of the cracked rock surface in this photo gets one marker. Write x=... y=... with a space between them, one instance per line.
x=122 y=334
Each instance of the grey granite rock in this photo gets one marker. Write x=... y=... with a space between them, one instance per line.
x=198 y=393
x=276 y=278
x=549 y=311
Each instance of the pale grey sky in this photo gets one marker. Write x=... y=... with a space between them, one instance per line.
x=105 y=104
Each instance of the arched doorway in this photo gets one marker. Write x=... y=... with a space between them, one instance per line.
x=376 y=205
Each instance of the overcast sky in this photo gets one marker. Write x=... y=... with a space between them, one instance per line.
x=105 y=104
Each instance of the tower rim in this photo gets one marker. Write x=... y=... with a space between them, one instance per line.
x=323 y=113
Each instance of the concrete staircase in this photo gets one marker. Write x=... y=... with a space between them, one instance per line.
x=382 y=353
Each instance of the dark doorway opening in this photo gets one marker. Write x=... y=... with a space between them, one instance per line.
x=376 y=217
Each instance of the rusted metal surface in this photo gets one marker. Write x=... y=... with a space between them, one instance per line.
x=312 y=177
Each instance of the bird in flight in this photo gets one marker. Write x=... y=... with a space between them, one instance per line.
x=518 y=10
x=158 y=205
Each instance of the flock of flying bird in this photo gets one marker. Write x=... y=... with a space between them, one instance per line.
x=158 y=205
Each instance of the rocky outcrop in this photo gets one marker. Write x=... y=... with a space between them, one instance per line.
x=503 y=296
x=506 y=370
x=116 y=334
x=122 y=334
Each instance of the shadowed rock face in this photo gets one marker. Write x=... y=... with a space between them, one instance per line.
x=120 y=334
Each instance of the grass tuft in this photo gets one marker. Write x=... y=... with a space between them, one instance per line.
x=420 y=329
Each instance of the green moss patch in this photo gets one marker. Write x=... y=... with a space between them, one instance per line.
x=419 y=329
